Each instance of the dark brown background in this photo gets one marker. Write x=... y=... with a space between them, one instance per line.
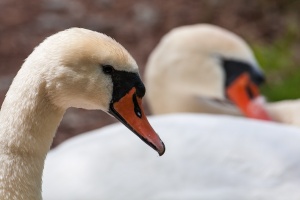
x=137 y=25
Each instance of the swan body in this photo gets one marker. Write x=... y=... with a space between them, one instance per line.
x=73 y=68
x=209 y=157
x=187 y=72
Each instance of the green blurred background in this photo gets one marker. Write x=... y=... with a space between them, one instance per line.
x=280 y=57
x=280 y=61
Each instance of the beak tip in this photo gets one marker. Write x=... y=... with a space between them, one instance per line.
x=162 y=149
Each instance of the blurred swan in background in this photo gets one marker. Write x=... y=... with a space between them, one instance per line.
x=204 y=68
x=208 y=157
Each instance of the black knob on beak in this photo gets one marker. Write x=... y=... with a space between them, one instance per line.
x=140 y=89
x=257 y=77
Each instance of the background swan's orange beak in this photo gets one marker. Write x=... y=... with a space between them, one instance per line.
x=245 y=95
x=130 y=112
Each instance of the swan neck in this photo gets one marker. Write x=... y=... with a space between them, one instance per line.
x=28 y=122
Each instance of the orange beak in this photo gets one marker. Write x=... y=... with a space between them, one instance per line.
x=130 y=112
x=244 y=94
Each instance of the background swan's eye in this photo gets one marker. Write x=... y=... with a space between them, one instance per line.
x=107 y=69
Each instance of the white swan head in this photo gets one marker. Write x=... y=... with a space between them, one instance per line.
x=85 y=69
x=75 y=62
x=195 y=65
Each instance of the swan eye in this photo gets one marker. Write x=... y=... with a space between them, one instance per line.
x=107 y=69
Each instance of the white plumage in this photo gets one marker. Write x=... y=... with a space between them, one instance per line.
x=208 y=157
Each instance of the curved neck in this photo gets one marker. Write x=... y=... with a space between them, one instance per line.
x=28 y=122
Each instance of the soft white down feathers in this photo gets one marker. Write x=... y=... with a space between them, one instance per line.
x=208 y=157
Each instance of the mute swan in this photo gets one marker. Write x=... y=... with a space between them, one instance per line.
x=73 y=68
x=203 y=68
x=227 y=158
